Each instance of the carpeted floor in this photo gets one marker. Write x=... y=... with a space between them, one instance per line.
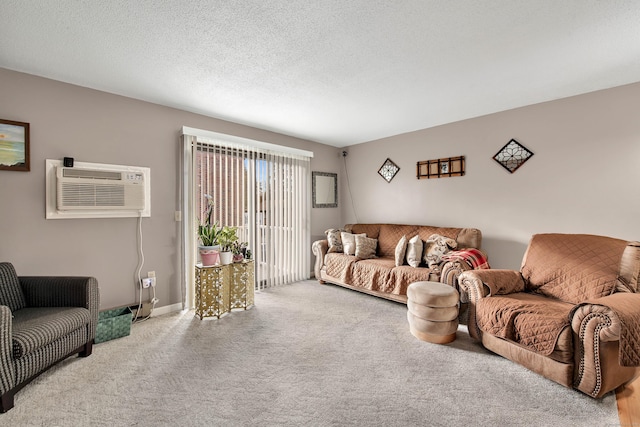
x=306 y=354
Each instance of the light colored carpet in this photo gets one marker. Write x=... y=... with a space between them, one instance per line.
x=306 y=354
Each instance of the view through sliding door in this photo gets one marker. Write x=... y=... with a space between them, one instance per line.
x=264 y=195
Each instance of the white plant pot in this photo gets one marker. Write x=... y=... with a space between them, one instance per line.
x=226 y=258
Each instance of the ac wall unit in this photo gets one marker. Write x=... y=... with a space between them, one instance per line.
x=94 y=189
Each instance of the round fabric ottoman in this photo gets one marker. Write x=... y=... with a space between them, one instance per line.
x=433 y=311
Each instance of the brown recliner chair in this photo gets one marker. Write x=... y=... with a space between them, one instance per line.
x=571 y=314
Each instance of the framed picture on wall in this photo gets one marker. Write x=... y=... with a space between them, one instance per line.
x=324 y=189
x=441 y=168
x=444 y=167
x=14 y=146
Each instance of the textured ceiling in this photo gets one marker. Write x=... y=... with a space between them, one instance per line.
x=338 y=72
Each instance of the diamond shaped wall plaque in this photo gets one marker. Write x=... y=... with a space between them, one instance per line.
x=512 y=156
x=388 y=170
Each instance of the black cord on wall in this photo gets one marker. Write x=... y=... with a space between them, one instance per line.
x=346 y=173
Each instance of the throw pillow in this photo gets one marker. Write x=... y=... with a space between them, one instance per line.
x=365 y=246
x=629 y=268
x=436 y=246
x=401 y=250
x=414 y=251
x=349 y=242
x=333 y=238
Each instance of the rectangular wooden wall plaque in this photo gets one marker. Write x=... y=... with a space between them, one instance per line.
x=441 y=168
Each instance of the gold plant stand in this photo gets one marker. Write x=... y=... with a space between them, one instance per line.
x=242 y=284
x=212 y=290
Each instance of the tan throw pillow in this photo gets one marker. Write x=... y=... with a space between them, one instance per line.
x=414 y=251
x=365 y=246
x=629 y=268
x=436 y=246
x=333 y=239
x=401 y=250
x=349 y=242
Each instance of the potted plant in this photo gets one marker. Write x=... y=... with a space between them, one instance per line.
x=226 y=238
x=238 y=249
x=208 y=234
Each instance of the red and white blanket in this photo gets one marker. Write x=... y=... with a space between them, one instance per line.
x=475 y=258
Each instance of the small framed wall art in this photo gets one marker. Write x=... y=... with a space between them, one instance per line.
x=441 y=168
x=512 y=156
x=388 y=170
x=324 y=189
x=14 y=146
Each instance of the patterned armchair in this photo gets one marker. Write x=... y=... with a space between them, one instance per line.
x=571 y=314
x=42 y=320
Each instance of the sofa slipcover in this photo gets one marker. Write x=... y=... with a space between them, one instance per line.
x=380 y=276
x=571 y=314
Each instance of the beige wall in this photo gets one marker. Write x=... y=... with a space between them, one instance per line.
x=583 y=178
x=97 y=127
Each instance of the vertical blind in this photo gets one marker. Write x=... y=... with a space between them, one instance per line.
x=262 y=192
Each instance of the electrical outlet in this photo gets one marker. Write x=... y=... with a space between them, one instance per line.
x=151 y=274
x=177 y=215
x=146 y=282
x=153 y=281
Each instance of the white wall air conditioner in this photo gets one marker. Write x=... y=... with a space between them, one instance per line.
x=96 y=190
x=91 y=189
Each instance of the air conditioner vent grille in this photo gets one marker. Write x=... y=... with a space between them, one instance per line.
x=86 y=195
x=91 y=174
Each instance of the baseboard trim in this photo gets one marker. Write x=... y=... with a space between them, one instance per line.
x=166 y=309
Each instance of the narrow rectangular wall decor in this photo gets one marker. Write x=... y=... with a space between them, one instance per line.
x=441 y=168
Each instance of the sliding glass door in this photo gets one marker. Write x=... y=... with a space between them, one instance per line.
x=262 y=192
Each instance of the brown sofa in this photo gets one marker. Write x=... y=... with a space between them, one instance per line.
x=380 y=276
x=571 y=314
